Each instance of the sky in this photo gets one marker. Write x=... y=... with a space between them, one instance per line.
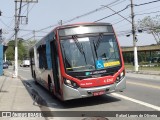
x=48 y=13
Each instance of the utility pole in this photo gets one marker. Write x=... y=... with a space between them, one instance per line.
x=17 y=22
x=1 y=52
x=60 y=22
x=134 y=39
x=15 y=74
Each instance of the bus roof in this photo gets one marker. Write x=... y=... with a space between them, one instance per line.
x=69 y=26
x=80 y=24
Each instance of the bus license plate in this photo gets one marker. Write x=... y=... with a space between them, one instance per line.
x=98 y=93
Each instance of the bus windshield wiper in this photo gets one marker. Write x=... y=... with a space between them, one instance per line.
x=97 y=43
x=95 y=49
x=80 y=47
x=99 y=40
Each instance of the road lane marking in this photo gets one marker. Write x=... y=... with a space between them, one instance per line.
x=146 y=85
x=137 y=101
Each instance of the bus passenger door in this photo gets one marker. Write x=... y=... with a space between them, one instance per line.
x=55 y=65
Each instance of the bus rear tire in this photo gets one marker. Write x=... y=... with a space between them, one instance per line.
x=50 y=87
x=35 y=79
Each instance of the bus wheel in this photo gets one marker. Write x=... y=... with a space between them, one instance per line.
x=35 y=79
x=50 y=87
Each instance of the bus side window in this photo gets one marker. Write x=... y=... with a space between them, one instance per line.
x=48 y=55
x=42 y=57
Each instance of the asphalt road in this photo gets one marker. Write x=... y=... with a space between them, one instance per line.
x=141 y=94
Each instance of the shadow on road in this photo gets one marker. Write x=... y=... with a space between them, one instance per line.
x=43 y=98
x=91 y=101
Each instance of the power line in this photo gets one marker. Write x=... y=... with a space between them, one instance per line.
x=118 y=14
x=96 y=10
x=27 y=34
x=136 y=15
x=11 y=36
x=83 y=15
x=147 y=3
x=117 y=3
x=91 y=12
x=120 y=20
x=148 y=13
x=28 y=11
x=125 y=9
x=30 y=32
x=112 y=14
x=7 y=17
x=5 y=24
x=149 y=9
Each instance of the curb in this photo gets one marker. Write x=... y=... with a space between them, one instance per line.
x=143 y=72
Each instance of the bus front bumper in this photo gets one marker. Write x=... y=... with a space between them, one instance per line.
x=71 y=93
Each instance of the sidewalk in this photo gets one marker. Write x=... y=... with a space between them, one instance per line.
x=15 y=97
x=144 y=74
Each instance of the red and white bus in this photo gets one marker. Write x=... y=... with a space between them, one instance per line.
x=80 y=60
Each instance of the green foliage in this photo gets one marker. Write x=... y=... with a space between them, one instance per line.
x=10 y=53
x=28 y=44
x=143 y=57
x=22 y=52
x=127 y=57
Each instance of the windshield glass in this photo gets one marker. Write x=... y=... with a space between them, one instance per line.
x=90 y=53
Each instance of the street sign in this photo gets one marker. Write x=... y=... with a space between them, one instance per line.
x=34 y=1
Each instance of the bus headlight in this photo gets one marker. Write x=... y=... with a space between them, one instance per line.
x=70 y=83
x=120 y=76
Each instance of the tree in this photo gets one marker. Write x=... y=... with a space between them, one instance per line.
x=28 y=44
x=151 y=26
x=10 y=53
x=10 y=50
x=22 y=52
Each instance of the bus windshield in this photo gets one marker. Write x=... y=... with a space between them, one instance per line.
x=90 y=52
